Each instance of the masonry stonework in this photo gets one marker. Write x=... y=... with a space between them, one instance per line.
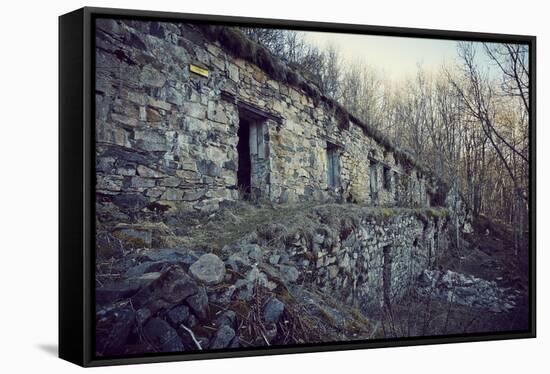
x=375 y=263
x=169 y=139
x=184 y=125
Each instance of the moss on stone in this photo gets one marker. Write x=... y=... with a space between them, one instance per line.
x=387 y=212
x=437 y=212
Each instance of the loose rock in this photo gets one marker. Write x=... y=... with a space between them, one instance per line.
x=226 y=318
x=223 y=337
x=273 y=310
x=199 y=303
x=289 y=273
x=171 y=288
x=178 y=315
x=208 y=269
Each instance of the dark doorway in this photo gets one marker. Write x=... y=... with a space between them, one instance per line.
x=386 y=276
x=333 y=166
x=245 y=164
x=373 y=181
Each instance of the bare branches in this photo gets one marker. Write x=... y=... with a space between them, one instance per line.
x=512 y=60
x=468 y=122
x=190 y=332
x=477 y=94
x=322 y=66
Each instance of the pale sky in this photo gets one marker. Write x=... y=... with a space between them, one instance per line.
x=396 y=57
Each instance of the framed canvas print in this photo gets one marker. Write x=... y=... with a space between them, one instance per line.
x=235 y=186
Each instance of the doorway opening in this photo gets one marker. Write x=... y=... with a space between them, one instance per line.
x=386 y=276
x=333 y=166
x=373 y=181
x=244 y=169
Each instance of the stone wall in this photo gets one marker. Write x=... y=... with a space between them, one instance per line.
x=336 y=279
x=374 y=263
x=167 y=138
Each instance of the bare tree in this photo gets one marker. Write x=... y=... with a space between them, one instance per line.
x=272 y=39
x=361 y=92
x=331 y=72
x=478 y=95
x=465 y=123
x=500 y=111
x=513 y=62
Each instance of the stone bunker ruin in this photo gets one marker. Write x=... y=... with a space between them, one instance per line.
x=189 y=116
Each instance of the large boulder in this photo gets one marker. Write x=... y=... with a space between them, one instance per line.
x=159 y=259
x=125 y=288
x=169 y=289
x=208 y=269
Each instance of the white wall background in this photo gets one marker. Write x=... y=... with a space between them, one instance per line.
x=28 y=184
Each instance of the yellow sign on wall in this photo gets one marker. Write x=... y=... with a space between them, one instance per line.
x=198 y=70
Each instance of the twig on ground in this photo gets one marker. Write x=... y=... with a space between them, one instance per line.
x=374 y=331
x=263 y=336
x=192 y=336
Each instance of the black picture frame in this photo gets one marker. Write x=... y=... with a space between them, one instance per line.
x=76 y=178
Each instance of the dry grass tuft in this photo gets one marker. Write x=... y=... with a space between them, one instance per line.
x=272 y=226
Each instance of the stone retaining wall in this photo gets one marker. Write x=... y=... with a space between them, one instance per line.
x=373 y=264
